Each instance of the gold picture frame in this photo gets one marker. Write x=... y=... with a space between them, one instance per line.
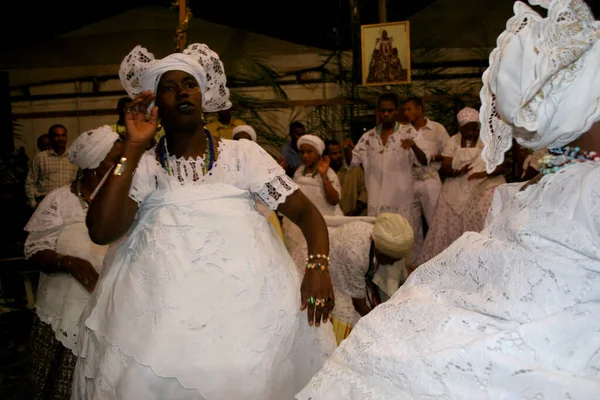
x=386 y=54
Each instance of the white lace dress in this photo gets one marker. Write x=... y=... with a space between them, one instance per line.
x=511 y=313
x=58 y=224
x=201 y=300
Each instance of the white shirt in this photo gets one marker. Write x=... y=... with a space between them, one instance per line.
x=387 y=168
x=431 y=139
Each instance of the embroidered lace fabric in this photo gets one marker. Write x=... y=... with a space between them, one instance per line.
x=541 y=86
x=58 y=224
x=202 y=299
x=511 y=313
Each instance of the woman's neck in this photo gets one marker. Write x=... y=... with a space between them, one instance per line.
x=187 y=144
x=309 y=169
x=589 y=141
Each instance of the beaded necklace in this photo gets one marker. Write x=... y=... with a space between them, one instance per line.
x=558 y=159
x=210 y=155
x=313 y=174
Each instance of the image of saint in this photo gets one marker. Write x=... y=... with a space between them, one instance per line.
x=385 y=65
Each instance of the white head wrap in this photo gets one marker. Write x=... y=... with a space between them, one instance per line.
x=244 y=128
x=393 y=235
x=91 y=147
x=467 y=115
x=314 y=141
x=543 y=85
x=141 y=71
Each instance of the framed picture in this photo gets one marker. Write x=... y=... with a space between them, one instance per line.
x=385 y=54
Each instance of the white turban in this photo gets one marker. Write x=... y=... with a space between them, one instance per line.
x=543 y=85
x=393 y=235
x=140 y=71
x=314 y=141
x=467 y=115
x=91 y=147
x=244 y=128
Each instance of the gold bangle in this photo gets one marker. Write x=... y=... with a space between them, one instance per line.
x=120 y=167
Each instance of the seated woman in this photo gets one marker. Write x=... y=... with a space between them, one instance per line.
x=367 y=264
x=60 y=246
x=248 y=133
x=318 y=182
x=467 y=191
x=511 y=312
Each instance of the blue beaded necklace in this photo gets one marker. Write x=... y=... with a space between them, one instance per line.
x=209 y=154
x=558 y=159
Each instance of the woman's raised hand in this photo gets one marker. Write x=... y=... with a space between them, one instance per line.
x=141 y=129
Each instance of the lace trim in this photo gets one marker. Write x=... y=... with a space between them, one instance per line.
x=275 y=192
x=496 y=134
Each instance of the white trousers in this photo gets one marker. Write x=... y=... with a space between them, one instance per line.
x=427 y=193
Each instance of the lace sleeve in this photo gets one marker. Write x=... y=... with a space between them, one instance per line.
x=141 y=185
x=45 y=225
x=263 y=176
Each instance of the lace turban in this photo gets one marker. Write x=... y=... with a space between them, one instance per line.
x=314 y=141
x=393 y=235
x=91 y=147
x=141 y=71
x=542 y=86
x=244 y=128
x=467 y=115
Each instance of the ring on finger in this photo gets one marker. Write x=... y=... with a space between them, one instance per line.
x=320 y=302
x=311 y=300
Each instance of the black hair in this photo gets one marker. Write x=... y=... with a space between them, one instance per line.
x=296 y=125
x=417 y=101
x=388 y=97
x=330 y=142
x=53 y=127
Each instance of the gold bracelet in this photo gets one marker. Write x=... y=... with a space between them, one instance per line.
x=120 y=167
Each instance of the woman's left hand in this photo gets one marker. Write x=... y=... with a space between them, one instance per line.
x=317 y=295
x=324 y=165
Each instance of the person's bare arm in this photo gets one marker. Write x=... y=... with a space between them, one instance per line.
x=49 y=261
x=112 y=211
x=316 y=283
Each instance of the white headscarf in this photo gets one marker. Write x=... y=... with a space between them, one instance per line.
x=91 y=147
x=314 y=141
x=543 y=85
x=467 y=115
x=244 y=128
x=140 y=71
x=393 y=235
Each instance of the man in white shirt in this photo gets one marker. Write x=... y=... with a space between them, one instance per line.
x=431 y=137
x=387 y=154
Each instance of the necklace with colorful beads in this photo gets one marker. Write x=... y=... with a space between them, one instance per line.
x=210 y=154
x=558 y=159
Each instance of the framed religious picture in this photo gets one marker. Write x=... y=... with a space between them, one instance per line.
x=385 y=54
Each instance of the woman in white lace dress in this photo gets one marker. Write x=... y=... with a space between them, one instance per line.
x=318 y=182
x=59 y=245
x=512 y=312
x=467 y=191
x=201 y=300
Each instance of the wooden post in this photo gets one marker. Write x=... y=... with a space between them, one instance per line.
x=184 y=18
x=382 y=11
